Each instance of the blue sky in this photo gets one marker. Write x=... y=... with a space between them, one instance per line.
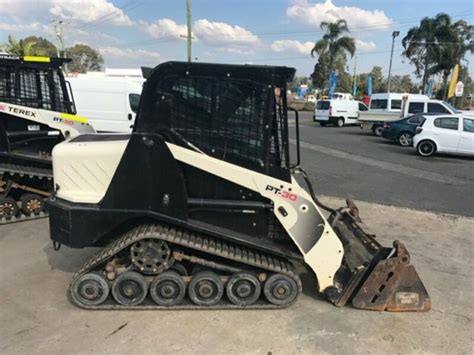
x=130 y=33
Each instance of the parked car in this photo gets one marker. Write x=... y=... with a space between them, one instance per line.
x=338 y=111
x=402 y=131
x=389 y=108
x=452 y=134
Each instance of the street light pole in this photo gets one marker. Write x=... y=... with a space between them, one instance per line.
x=394 y=34
x=188 y=18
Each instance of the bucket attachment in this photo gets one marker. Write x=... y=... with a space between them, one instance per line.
x=374 y=277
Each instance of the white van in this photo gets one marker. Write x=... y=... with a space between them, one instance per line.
x=338 y=112
x=110 y=103
x=392 y=101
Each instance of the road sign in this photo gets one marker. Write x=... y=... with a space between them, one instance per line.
x=459 y=89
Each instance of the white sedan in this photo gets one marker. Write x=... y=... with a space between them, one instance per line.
x=452 y=134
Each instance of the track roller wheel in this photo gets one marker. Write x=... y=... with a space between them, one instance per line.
x=280 y=290
x=32 y=204
x=205 y=289
x=129 y=289
x=180 y=269
x=8 y=207
x=90 y=289
x=168 y=289
x=243 y=289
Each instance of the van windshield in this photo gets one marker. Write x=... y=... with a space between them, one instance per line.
x=378 y=104
x=454 y=109
x=322 y=105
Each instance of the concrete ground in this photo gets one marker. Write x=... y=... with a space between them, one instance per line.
x=37 y=318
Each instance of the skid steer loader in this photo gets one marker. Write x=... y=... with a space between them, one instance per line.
x=200 y=207
x=36 y=112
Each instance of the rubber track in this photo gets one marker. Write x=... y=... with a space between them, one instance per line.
x=13 y=169
x=204 y=243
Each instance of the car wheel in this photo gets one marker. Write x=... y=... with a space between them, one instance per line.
x=340 y=122
x=322 y=124
x=405 y=139
x=377 y=130
x=426 y=148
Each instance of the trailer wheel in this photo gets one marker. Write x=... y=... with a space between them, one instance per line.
x=32 y=204
x=8 y=207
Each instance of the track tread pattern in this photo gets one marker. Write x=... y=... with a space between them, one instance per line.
x=192 y=240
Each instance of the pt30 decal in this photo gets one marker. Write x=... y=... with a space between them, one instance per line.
x=285 y=194
x=61 y=120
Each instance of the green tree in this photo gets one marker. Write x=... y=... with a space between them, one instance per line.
x=458 y=41
x=422 y=44
x=31 y=45
x=20 y=47
x=378 y=82
x=331 y=50
x=84 y=58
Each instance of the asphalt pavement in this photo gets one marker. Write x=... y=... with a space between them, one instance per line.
x=350 y=162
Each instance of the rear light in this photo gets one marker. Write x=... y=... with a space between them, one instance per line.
x=330 y=111
x=386 y=125
x=418 y=130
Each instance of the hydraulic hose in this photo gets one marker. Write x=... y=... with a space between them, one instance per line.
x=311 y=192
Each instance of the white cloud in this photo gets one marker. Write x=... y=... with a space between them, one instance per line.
x=88 y=11
x=29 y=27
x=288 y=45
x=221 y=33
x=364 y=46
x=164 y=28
x=313 y=14
x=117 y=52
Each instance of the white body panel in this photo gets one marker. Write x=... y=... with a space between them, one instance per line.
x=109 y=102
x=448 y=140
x=83 y=172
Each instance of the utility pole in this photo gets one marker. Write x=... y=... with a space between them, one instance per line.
x=58 y=29
x=190 y=33
x=394 y=34
x=354 y=80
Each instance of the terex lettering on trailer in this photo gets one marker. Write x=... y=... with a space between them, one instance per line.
x=282 y=193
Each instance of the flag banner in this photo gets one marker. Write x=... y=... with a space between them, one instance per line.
x=369 y=85
x=454 y=80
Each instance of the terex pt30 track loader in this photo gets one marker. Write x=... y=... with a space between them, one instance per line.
x=36 y=113
x=200 y=206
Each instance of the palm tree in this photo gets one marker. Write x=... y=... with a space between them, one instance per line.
x=20 y=47
x=332 y=44
x=422 y=43
x=457 y=43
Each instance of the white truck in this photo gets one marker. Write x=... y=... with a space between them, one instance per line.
x=386 y=107
x=109 y=102
x=340 y=112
